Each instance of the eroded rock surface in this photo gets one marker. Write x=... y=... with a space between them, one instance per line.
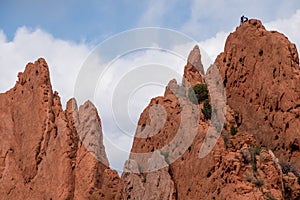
x=43 y=153
x=261 y=74
x=249 y=149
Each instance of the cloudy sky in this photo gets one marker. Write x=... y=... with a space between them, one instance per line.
x=66 y=32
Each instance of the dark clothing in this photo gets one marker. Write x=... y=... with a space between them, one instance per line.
x=243 y=19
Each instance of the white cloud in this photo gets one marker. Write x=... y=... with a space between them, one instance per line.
x=289 y=27
x=2 y=36
x=210 y=17
x=134 y=79
x=63 y=57
x=214 y=46
x=208 y=49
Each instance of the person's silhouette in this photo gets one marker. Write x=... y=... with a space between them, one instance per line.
x=243 y=19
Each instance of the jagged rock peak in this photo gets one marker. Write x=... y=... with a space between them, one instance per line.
x=49 y=153
x=37 y=71
x=193 y=70
x=253 y=22
x=261 y=74
x=195 y=59
x=86 y=122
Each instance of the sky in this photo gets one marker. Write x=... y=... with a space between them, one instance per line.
x=66 y=33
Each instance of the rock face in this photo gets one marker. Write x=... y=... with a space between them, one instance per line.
x=50 y=153
x=261 y=74
x=193 y=71
x=41 y=156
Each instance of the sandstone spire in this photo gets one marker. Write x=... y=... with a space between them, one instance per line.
x=193 y=71
x=261 y=73
x=44 y=151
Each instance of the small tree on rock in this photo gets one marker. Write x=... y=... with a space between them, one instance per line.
x=198 y=93
x=206 y=110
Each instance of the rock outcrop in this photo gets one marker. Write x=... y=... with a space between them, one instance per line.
x=261 y=74
x=43 y=153
x=193 y=71
x=248 y=149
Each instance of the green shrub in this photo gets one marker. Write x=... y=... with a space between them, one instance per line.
x=257 y=150
x=198 y=93
x=259 y=182
x=254 y=167
x=206 y=109
x=253 y=159
x=233 y=130
x=299 y=180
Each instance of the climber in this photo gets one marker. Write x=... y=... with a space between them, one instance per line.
x=243 y=19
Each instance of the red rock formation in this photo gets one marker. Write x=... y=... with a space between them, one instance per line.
x=41 y=156
x=237 y=167
x=261 y=74
x=193 y=71
x=48 y=153
x=187 y=176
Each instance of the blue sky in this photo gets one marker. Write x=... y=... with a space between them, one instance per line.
x=80 y=20
x=93 y=21
x=66 y=32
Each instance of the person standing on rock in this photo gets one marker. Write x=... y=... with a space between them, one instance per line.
x=243 y=19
